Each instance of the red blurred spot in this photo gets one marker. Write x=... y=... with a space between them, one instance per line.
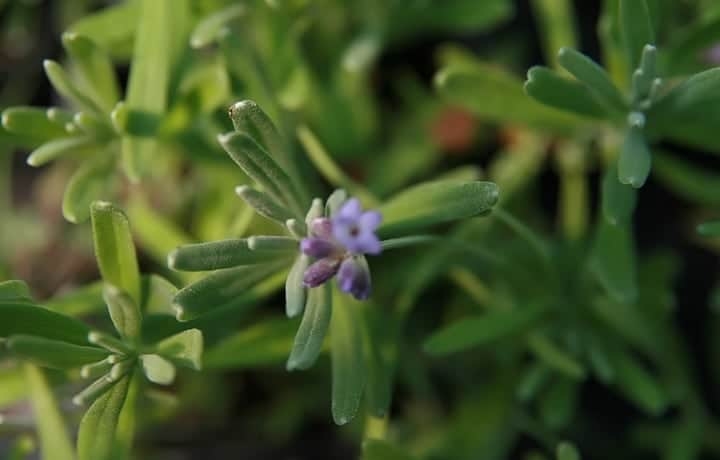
x=454 y=130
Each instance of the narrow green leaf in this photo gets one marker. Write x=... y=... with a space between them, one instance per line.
x=264 y=204
x=334 y=201
x=158 y=369
x=98 y=427
x=221 y=288
x=23 y=318
x=208 y=30
x=273 y=244
x=54 y=149
x=594 y=77
x=32 y=122
x=67 y=88
x=613 y=261
x=558 y=402
x=644 y=76
x=221 y=254
x=14 y=290
x=111 y=28
x=295 y=291
x=555 y=357
x=637 y=384
x=636 y=29
x=709 y=228
x=94 y=126
x=114 y=248
x=691 y=182
x=184 y=349
x=348 y=365
x=95 y=68
x=635 y=160
x=557 y=22
x=379 y=449
x=92 y=180
x=567 y=451
x=432 y=203
x=147 y=89
x=53 y=353
x=547 y=87
x=54 y=440
x=124 y=312
x=260 y=166
x=94 y=390
x=157 y=295
x=378 y=393
x=313 y=328
x=482 y=330
x=97 y=369
x=109 y=343
x=618 y=200
x=533 y=380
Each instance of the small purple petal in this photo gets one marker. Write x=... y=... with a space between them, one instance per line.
x=370 y=220
x=351 y=210
x=320 y=271
x=368 y=243
x=322 y=227
x=354 y=278
x=317 y=247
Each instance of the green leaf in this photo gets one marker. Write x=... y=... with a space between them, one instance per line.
x=219 y=289
x=111 y=28
x=32 y=122
x=334 y=201
x=124 y=312
x=378 y=449
x=14 y=290
x=635 y=160
x=158 y=369
x=709 y=228
x=54 y=440
x=295 y=291
x=688 y=181
x=184 y=349
x=482 y=330
x=566 y=451
x=92 y=180
x=498 y=96
x=67 y=88
x=93 y=391
x=264 y=204
x=54 y=149
x=55 y=354
x=262 y=344
x=313 y=328
x=613 y=261
x=547 y=87
x=114 y=248
x=618 y=200
x=555 y=357
x=209 y=29
x=222 y=254
x=147 y=89
x=23 y=318
x=594 y=77
x=260 y=166
x=158 y=294
x=636 y=29
x=98 y=428
x=558 y=402
x=432 y=203
x=348 y=365
x=95 y=68
x=637 y=384
x=273 y=244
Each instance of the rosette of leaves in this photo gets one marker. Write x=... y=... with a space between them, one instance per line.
x=116 y=360
x=240 y=264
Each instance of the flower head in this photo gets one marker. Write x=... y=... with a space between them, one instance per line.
x=338 y=244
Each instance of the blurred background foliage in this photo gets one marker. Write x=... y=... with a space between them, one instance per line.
x=549 y=323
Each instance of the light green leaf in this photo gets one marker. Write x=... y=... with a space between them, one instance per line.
x=547 y=87
x=618 y=200
x=54 y=440
x=313 y=328
x=124 y=312
x=346 y=352
x=54 y=149
x=111 y=28
x=295 y=291
x=636 y=29
x=635 y=159
x=184 y=349
x=273 y=244
x=594 y=77
x=94 y=390
x=14 y=290
x=32 y=122
x=208 y=30
x=95 y=68
x=23 y=318
x=264 y=204
x=221 y=254
x=221 y=288
x=68 y=89
x=114 y=248
x=432 y=203
x=55 y=354
x=158 y=369
x=92 y=180
x=378 y=449
x=613 y=261
x=482 y=330
x=334 y=201
x=157 y=294
x=567 y=451
x=98 y=427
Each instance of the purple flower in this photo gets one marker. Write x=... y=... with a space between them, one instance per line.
x=338 y=244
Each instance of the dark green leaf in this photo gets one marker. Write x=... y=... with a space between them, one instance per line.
x=637 y=384
x=23 y=318
x=557 y=403
x=709 y=228
x=618 y=200
x=547 y=87
x=346 y=352
x=482 y=330
x=378 y=449
x=594 y=77
x=636 y=29
x=566 y=451
x=221 y=254
x=635 y=160
x=613 y=261
x=264 y=204
x=53 y=353
x=14 y=290
x=687 y=180
x=313 y=328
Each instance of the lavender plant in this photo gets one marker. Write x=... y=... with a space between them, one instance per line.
x=463 y=316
